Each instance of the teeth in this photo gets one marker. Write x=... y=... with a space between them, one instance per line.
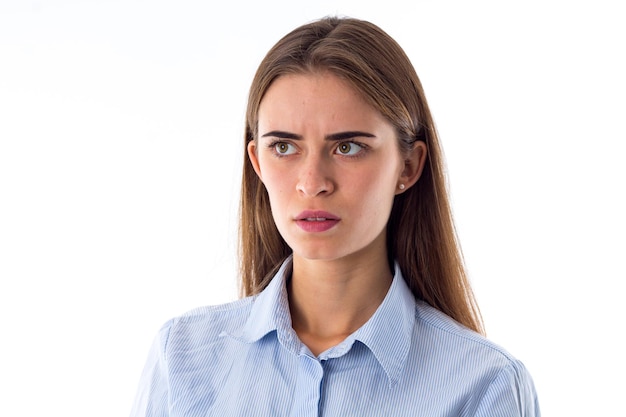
x=315 y=219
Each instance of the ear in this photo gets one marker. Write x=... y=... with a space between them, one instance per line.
x=413 y=166
x=254 y=158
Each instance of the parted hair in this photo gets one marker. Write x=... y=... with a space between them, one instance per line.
x=421 y=235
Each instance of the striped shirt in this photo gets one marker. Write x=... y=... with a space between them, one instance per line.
x=244 y=359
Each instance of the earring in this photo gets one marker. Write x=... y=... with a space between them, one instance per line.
x=401 y=186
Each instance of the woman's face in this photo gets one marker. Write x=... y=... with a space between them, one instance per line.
x=331 y=165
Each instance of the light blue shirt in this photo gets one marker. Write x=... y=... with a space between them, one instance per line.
x=409 y=359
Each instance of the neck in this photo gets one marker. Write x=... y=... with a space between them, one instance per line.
x=329 y=300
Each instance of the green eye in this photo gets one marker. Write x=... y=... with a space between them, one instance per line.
x=283 y=148
x=348 y=148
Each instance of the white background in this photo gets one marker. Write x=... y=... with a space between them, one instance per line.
x=121 y=129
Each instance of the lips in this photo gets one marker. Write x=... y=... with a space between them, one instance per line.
x=315 y=221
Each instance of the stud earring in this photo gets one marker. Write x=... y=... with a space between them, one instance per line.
x=401 y=186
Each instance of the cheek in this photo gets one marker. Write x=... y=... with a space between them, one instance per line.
x=275 y=182
x=374 y=192
x=277 y=186
x=270 y=175
x=380 y=177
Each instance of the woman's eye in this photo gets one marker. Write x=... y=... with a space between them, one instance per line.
x=283 y=148
x=348 y=148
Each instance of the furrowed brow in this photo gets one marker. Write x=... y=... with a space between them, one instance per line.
x=281 y=135
x=349 y=135
x=332 y=137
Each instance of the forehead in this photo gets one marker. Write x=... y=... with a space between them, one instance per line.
x=315 y=97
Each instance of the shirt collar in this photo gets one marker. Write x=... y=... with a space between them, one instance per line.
x=270 y=310
x=387 y=333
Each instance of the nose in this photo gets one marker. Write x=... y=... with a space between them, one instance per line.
x=315 y=177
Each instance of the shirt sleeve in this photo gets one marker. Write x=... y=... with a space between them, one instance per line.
x=511 y=394
x=152 y=395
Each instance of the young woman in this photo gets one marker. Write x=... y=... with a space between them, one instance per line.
x=355 y=299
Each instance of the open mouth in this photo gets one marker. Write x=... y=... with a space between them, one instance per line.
x=316 y=221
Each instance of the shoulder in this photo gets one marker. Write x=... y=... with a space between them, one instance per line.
x=206 y=324
x=228 y=313
x=433 y=324
x=491 y=377
x=190 y=351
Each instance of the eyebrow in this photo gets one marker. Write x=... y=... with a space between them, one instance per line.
x=332 y=137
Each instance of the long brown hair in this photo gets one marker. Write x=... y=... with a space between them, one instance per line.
x=420 y=234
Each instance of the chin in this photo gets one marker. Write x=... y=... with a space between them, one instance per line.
x=318 y=254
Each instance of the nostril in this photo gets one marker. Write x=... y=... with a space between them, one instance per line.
x=314 y=185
